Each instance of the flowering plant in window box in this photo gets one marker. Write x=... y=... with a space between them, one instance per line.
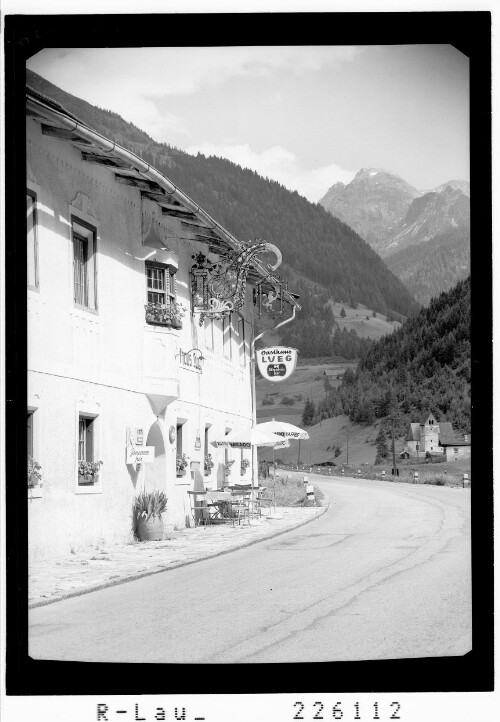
x=181 y=463
x=163 y=314
x=178 y=311
x=227 y=466
x=209 y=464
x=88 y=471
x=34 y=473
x=245 y=463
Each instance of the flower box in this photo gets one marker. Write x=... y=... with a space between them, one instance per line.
x=181 y=472
x=87 y=479
x=33 y=481
x=160 y=314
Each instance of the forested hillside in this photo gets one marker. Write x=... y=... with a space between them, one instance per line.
x=314 y=244
x=427 y=268
x=423 y=366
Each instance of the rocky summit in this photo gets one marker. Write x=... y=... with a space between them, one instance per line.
x=374 y=203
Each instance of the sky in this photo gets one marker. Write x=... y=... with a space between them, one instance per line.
x=307 y=117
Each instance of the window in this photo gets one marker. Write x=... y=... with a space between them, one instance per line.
x=85 y=439
x=30 y=433
x=84 y=264
x=88 y=466
x=179 y=439
x=226 y=337
x=31 y=221
x=455 y=450
x=160 y=286
x=160 y=280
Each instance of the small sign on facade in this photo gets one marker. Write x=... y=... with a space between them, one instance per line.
x=192 y=360
x=276 y=364
x=140 y=454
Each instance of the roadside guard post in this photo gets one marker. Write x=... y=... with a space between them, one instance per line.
x=359 y=472
x=383 y=475
x=465 y=480
x=415 y=477
x=310 y=492
x=306 y=480
x=343 y=471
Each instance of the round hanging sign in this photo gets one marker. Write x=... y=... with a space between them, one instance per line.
x=276 y=364
x=171 y=434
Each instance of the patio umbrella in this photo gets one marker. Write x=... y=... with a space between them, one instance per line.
x=283 y=429
x=248 y=438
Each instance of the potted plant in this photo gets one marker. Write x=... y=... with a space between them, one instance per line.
x=208 y=464
x=34 y=473
x=147 y=509
x=177 y=312
x=88 y=472
x=165 y=314
x=245 y=463
x=227 y=467
x=181 y=463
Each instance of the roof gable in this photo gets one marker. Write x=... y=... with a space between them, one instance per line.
x=446 y=429
x=413 y=432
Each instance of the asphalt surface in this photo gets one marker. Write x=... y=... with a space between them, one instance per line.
x=385 y=573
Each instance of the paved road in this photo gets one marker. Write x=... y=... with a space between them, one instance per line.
x=385 y=573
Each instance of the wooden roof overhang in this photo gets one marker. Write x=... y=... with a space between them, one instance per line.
x=130 y=169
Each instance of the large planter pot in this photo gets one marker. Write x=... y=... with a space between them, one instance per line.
x=151 y=530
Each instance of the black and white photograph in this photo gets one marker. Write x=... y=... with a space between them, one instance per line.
x=251 y=372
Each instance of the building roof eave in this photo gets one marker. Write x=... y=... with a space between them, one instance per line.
x=96 y=147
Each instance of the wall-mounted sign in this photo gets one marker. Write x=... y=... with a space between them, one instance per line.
x=139 y=437
x=276 y=364
x=140 y=454
x=192 y=360
x=171 y=434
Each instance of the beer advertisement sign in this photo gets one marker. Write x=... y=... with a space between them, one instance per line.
x=276 y=364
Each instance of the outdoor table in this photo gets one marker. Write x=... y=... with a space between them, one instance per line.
x=223 y=507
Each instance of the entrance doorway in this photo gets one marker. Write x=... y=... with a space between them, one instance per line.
x=155 y=473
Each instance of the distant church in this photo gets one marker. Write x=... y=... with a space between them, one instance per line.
x=436 y=438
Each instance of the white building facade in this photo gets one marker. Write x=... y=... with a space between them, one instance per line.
x=106 y=375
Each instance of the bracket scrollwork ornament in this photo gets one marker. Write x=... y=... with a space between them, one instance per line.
x=218 y=289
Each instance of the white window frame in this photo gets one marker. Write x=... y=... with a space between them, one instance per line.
x=83 y=230
x=37 y=491
x=169 y=290
x=90 y=411
x=34 y=211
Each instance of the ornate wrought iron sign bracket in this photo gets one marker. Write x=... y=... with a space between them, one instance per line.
x=218 y=288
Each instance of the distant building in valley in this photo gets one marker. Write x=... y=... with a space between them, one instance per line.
x=433 y=437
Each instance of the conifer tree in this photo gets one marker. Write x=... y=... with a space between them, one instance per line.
x=382 y=448
x=308 y=413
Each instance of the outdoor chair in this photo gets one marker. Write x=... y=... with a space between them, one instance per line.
x=223 y=508
x=199 y=510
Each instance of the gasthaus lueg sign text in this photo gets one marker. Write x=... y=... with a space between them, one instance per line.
x=276 y=364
